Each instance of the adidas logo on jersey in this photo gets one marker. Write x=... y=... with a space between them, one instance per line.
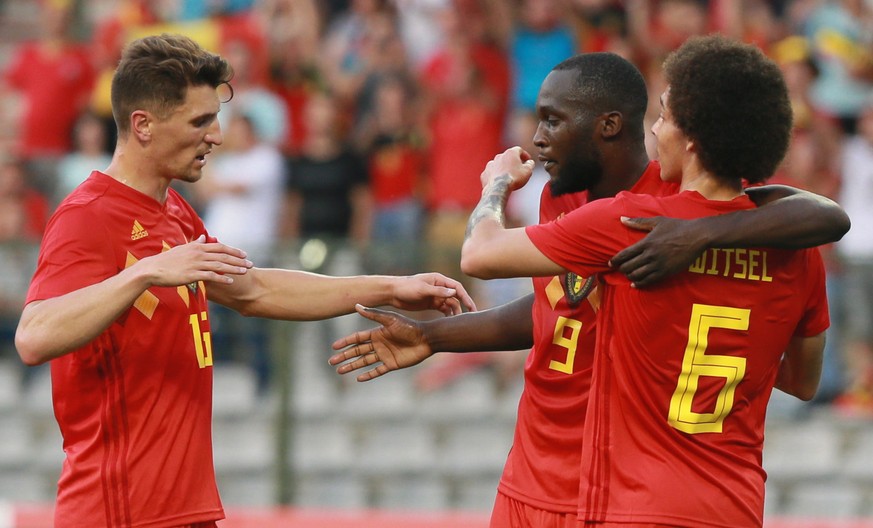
x=138 y=231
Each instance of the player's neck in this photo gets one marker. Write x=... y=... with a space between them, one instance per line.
x=137 y=176
x=709 y=186
x=620 y=173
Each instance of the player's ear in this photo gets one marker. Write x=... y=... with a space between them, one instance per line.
x=690 y=146
x=140 y=125
x=610 y=124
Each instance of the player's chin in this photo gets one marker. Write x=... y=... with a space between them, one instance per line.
x=559 y=187
x=193 y=175
x=551 y=167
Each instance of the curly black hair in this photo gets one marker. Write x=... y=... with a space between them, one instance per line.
x=731 y=100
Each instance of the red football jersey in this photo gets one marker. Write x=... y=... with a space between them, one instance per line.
x=684 y=370
x=557 y=375
x=135 y=404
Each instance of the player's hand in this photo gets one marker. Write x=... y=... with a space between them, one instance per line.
x=431 y=291
x=397 y=344
x=195 y=261
x=514 y=161
x=670 y=247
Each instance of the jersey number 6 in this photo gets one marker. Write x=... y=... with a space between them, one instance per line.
x=696 y=363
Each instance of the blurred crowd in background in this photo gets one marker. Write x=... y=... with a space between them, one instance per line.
x=358 y=128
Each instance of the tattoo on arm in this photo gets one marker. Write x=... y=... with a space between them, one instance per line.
x=492 y=205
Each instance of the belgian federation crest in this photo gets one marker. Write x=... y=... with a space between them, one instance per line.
x=577 y=288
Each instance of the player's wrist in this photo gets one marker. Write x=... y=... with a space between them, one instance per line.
x=140 y=276
x=710 y=232
x=393 y=290
x=445 y=335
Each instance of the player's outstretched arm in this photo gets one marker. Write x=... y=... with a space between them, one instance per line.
x=301 y=296
x=786 y=218
x=402 y=342
x=800 y=371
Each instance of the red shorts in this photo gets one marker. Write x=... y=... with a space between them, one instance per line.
x=204 y=524
x=512 y=513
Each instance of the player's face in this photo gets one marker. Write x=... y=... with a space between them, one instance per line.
x=672 y=142
x=565 y=136
x=182 y=141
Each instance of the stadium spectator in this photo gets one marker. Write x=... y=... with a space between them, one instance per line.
x=54 y=76
x=856 y=253
x=657 y=27
x=352 y=43
x=421 y=37
x=89 y=140
x=292 y=29
x=542 y=38
x=23 y=215
x=466 y=94
x=808 y=165
x=393 y=146
x=839 y=33
x=328 y=188
x=601 y=25
x=241 y=197
x=23 y=210
x=385 y=60
x=110 y=34
x=241 y=192
x=253 y=98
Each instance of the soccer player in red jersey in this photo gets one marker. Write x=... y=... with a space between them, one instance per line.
x=683 y=371
x=536 y=488
x=118 y=303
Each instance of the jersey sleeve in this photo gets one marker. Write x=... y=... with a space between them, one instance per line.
x=76 y=252
x=816 y=318
x=584 y=240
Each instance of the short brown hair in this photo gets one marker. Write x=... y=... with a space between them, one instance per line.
x=155 y=72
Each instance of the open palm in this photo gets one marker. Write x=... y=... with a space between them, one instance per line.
x=399 y=343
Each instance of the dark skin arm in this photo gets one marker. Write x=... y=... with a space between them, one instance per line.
x=786 y=218
x=402 y=342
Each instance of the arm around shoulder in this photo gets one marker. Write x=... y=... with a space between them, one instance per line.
x=791 y=218
x=786 y=218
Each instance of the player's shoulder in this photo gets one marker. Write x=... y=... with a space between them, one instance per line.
x=628 y=203
x=553 y=207
x=630 y=199
x=178 y=205
x=86 y=195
